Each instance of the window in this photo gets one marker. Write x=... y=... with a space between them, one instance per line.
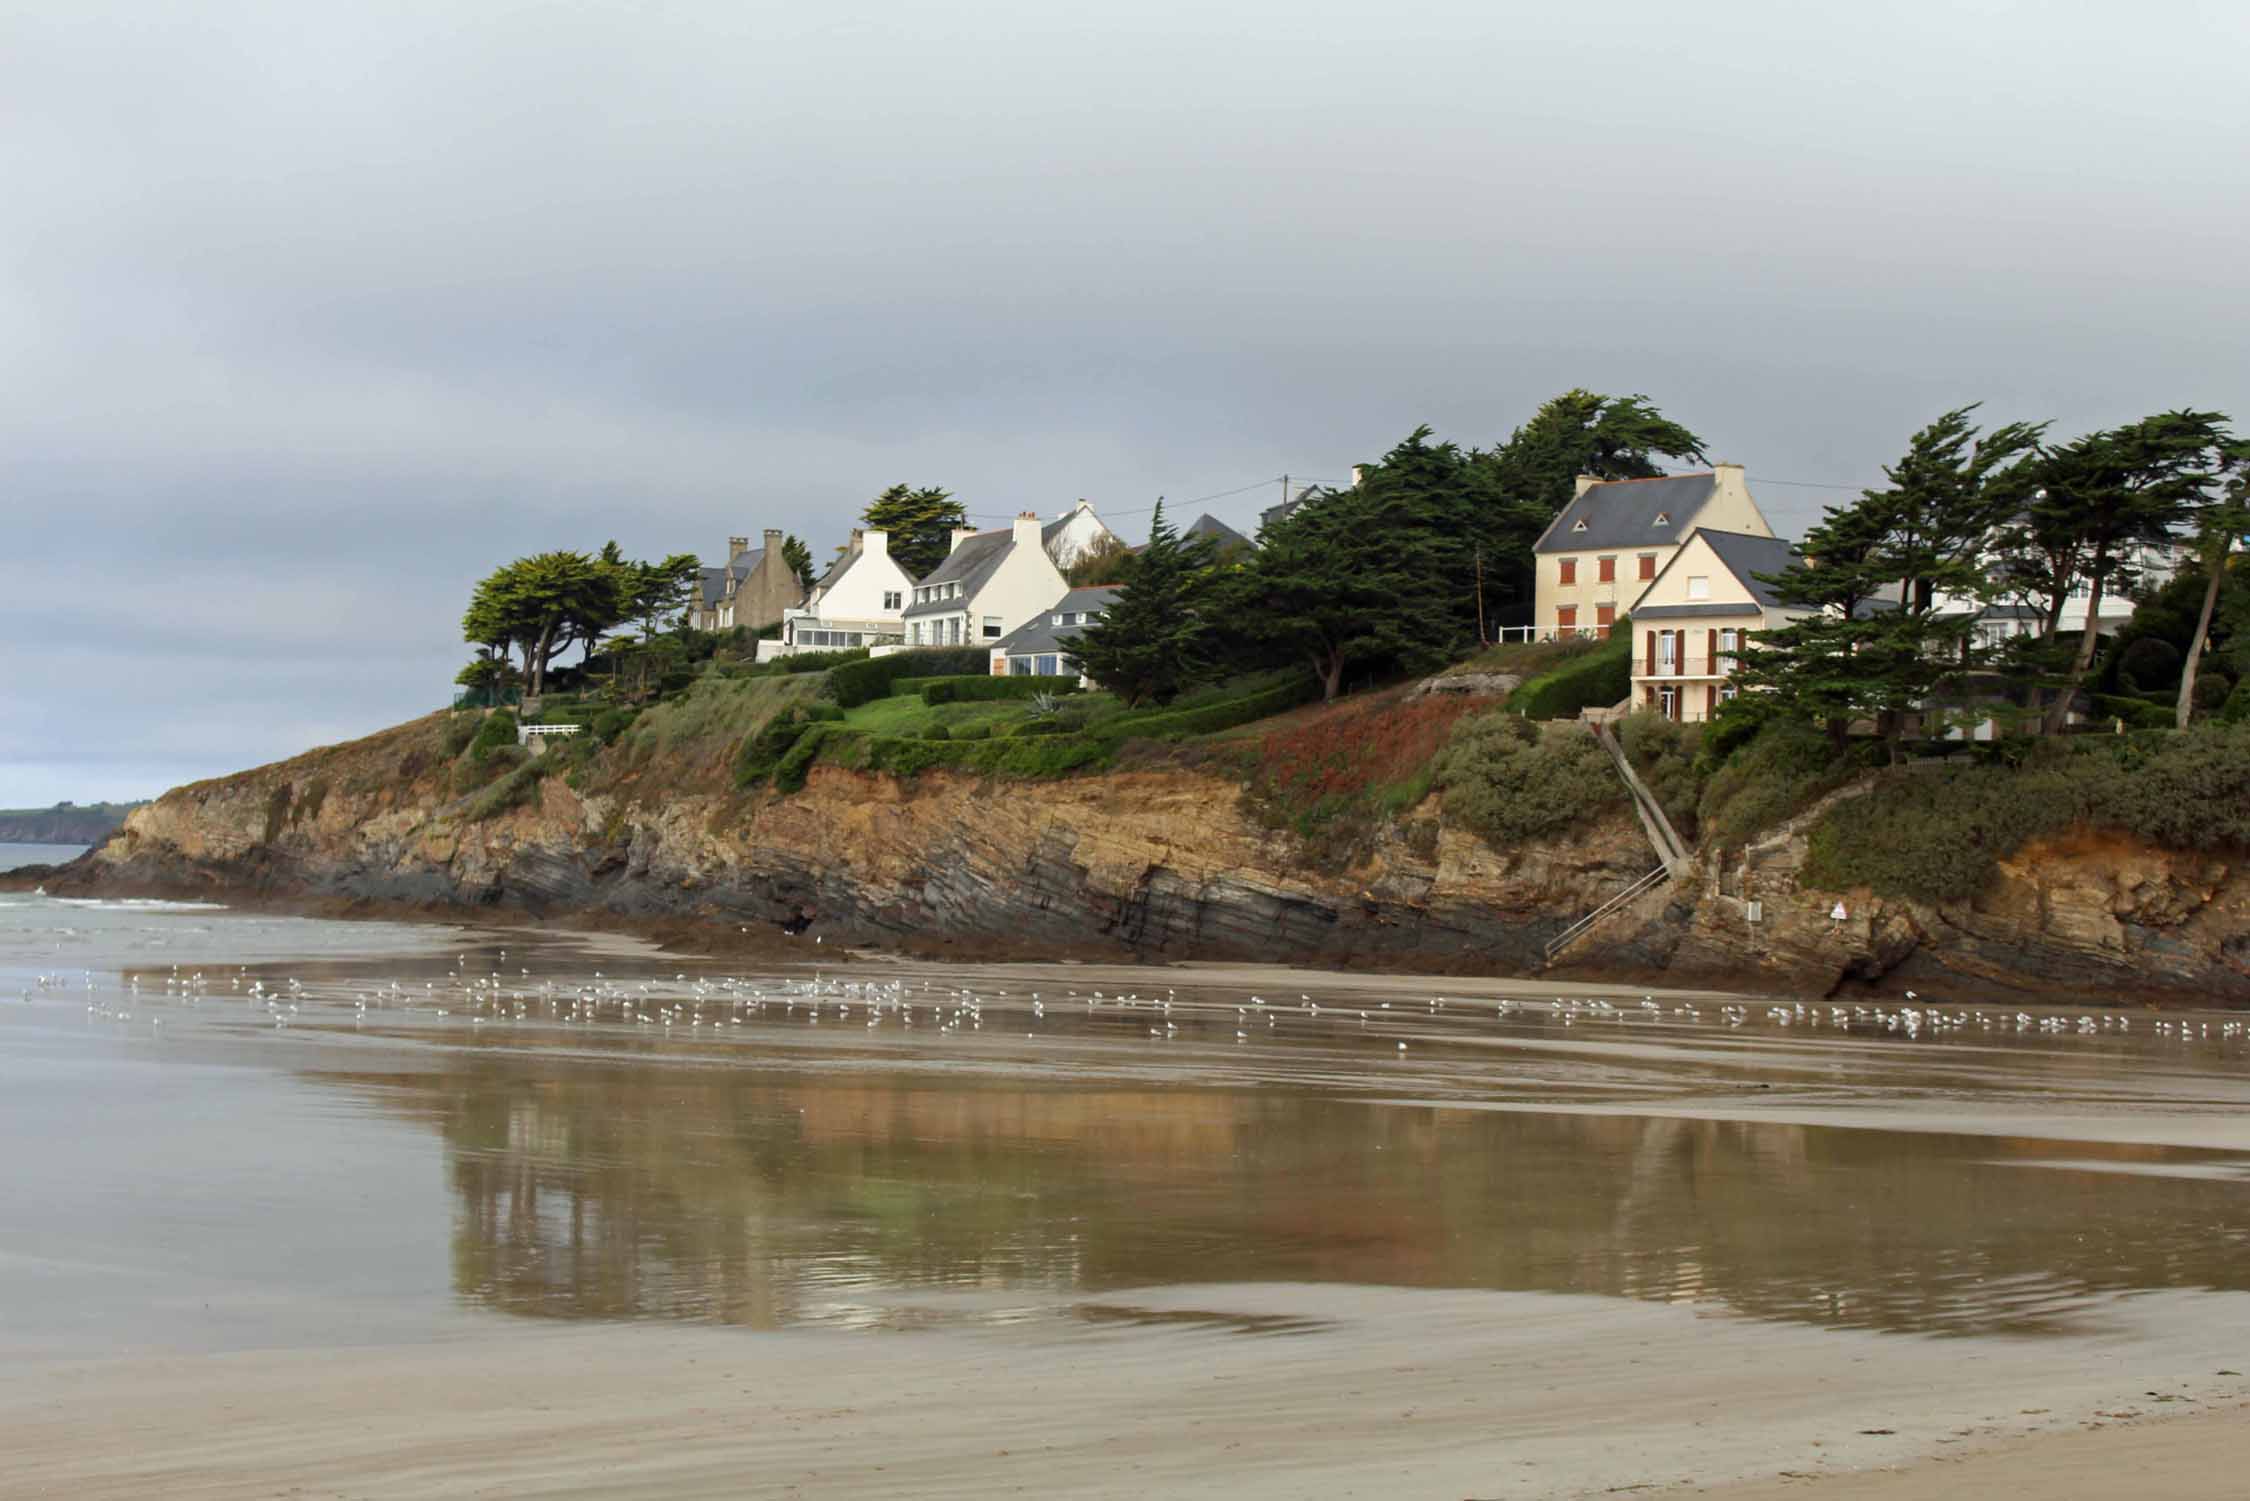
x=1019 y=667
x=1648 y=565
x=1568 y=575
x=1048 y=666
x=1607 y=573
x=1730 y=642
x=1566 y=617
x=1579 y=525
x=992 y=628
x=1605 y=616
x=1698 y=586
x=1727 y=693
x=914 y=633
x=1667 y=653
x=1661 y=520
x=890 y=599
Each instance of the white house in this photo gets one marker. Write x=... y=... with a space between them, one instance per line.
x=1073 y=534
x=860 y=601
x=1040 y=647
x=1692 y=619
x=1613 y=539
x=988 y=585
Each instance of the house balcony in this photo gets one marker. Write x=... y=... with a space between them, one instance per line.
x=1684 y=669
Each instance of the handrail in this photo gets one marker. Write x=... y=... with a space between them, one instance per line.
x=1576 y=930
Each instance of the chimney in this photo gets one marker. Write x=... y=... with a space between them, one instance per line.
x=874 y=544
x=1582 y=484
x=1355 y=476
x=961 y=534
x=773 y=541
x=736 y=547
x=1027 y=529
x=1729 y=477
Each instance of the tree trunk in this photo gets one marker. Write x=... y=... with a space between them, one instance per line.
x=1330 y=666
x=2087 y=641
x=1839 y=735
x=545 y=650
x=2186 y=705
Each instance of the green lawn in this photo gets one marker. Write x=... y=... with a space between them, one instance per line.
x=906 y=714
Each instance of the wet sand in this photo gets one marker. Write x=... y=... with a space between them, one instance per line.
x=337 y=1238
x=1394 y=1393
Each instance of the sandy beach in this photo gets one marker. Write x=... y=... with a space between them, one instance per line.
x=427 y=1213
x=1384 y=1393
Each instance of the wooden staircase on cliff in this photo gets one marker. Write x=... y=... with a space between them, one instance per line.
x=1671 y=853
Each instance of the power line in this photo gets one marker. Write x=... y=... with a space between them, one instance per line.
x=1803 y=484
x=1259 y=484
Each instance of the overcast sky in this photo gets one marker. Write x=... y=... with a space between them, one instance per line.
x=312 y=313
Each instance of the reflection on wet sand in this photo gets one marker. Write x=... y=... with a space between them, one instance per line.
x=774 y=1199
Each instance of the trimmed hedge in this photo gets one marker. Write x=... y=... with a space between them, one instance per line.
x=2138 y=713
x=870 y=678
x=1025 y=753
x=1591 y=680
x=763 y=754
x=967 y=689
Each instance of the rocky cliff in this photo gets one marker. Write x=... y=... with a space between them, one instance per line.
x=1165 y=861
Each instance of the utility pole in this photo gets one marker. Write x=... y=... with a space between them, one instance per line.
x=1481 y=640
x=1284 y=490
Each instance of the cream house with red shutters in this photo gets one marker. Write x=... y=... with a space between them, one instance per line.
x=1691 y=622
x=1614 y=538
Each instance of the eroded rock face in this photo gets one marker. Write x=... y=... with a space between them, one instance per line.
x=1165 y=863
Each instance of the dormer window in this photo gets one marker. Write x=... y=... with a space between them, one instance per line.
x=1058 y=619
x=1579 y=525
x=1663 y=518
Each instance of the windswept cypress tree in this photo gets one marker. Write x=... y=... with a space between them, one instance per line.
x=1150 y=643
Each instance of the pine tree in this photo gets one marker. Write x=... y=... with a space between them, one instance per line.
x=920 y=524
x=2112 y=491
x=797 y=557
x=1150 y=643
x=1582 y=432
x=2221 y=524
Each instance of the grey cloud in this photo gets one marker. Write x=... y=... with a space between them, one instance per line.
x=321 y=310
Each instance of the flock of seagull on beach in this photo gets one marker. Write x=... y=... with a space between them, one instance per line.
x=712 y=1006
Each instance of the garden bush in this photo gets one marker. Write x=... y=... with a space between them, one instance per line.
x=2138 y=713
x=869 y=678
x=966 y=689
x=1664 y=755
x=1508 y=782
x=1590 y=680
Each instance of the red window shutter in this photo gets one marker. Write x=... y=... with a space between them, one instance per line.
x=1566 y=617
x=1568 y=569
x=1652 y=654
x=1712 y=660
x=1608 y=573
x=1648 y=565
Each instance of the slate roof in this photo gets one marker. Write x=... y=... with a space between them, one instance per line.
x=970 y=565
x=1040 y=634
x=746 y=562
x=1741 y=554
x=1622 y=513
x=1208 y=525
x=713 y=583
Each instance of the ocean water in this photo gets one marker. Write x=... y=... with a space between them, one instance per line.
x=16 y=856
x=238 y=1131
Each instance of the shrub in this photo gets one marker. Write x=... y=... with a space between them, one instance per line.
x=518 y=787
x=460 y=729
x=1936 y=834
x=819 y=661
x=611 y=723
x=869 y=678
x=1784 y=769
x=497 y=732
x=762 y=754
x=937 y=732
x=1664 y=755
x=796 y=763
x=965 y=689
x=972 y=732
x=2236 y=710
x=1508 y=782
x=2138 y=713
x=1590 y=680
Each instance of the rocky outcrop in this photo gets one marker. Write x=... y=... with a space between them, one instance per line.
x=1165 y=861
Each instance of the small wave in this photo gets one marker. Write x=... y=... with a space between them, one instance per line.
x=136 y=904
